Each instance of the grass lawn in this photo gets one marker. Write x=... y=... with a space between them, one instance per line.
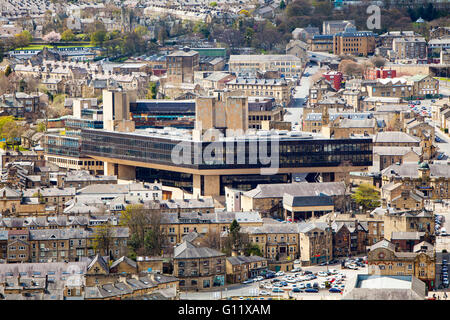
x=42 y=46
x=443 y=79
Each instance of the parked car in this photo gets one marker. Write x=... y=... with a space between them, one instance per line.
x=437 y=139
x=277 y=290
x=334 y=290
x=308 y=272
x=311 y=290
x=322 y=286
x=440 y=156
x=248 y=281
x=297 y=261
x=297 y=290
x=322 y=274
x=283 y=283
x=264 y=293
x=296 y=270
x=279 y=273
x=269 y=275
x=332 y=271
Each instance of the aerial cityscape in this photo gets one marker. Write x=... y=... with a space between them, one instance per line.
x=224 y=150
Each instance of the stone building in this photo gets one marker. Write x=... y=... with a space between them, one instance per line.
x=198 y=268
x=421 y=263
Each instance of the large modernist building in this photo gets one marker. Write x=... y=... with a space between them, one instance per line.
x=219 y=152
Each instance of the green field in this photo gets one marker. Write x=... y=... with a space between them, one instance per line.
x=443 y=79
x=42 y=46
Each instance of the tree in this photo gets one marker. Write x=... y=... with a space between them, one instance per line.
x=282 y=5
x=299 y=8
x=152 y=90
x=252 y=249
x=52 y=37
x=378 y=62
x=213 y=4
x=103 y=238
x=366 y=196
x=8 y=70
x=395 y=124
x=98 y=37
x=20 y=41
x=41 y=127
x=67 y=35
x=351 y=68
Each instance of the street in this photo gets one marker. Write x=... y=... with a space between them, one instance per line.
x=301 y=92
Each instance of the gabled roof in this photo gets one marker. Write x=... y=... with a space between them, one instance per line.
x=98 y=258
x=383 y=244
x=187 y=250
x=124 y=259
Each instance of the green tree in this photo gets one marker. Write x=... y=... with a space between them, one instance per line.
x=282 y=5
x=67 y=35
x=252 y=249
x=98 y=37
x=151 y=91
x=41 y=127
x=103 y=238
x=213 y=4
x=141 y=31
x=8 y=70
x=366 y=196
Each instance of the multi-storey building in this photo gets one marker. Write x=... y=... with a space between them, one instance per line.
x=124 y=148
x=181 y=66
x=430 y=179
x=241 y=268
x=280 y=89
x=421 y=263
x=316 y=243
x=321 y=43
x=352 y=42
x=380 y=73
x=279 y=243
x=288 y=66
x=410 y=48
x=198 y=267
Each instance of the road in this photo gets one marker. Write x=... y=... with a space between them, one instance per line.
x=294 y=115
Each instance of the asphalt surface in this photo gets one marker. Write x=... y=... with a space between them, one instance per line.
x=252 y=290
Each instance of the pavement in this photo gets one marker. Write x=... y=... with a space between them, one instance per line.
x=237 y=291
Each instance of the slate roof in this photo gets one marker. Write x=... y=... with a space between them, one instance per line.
x=307 y=201
x=124 y=259
x=243 y=259
x=187 y=250
x=277 y=190
x=394 y=137
x=411 y=170
x=98 y=258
